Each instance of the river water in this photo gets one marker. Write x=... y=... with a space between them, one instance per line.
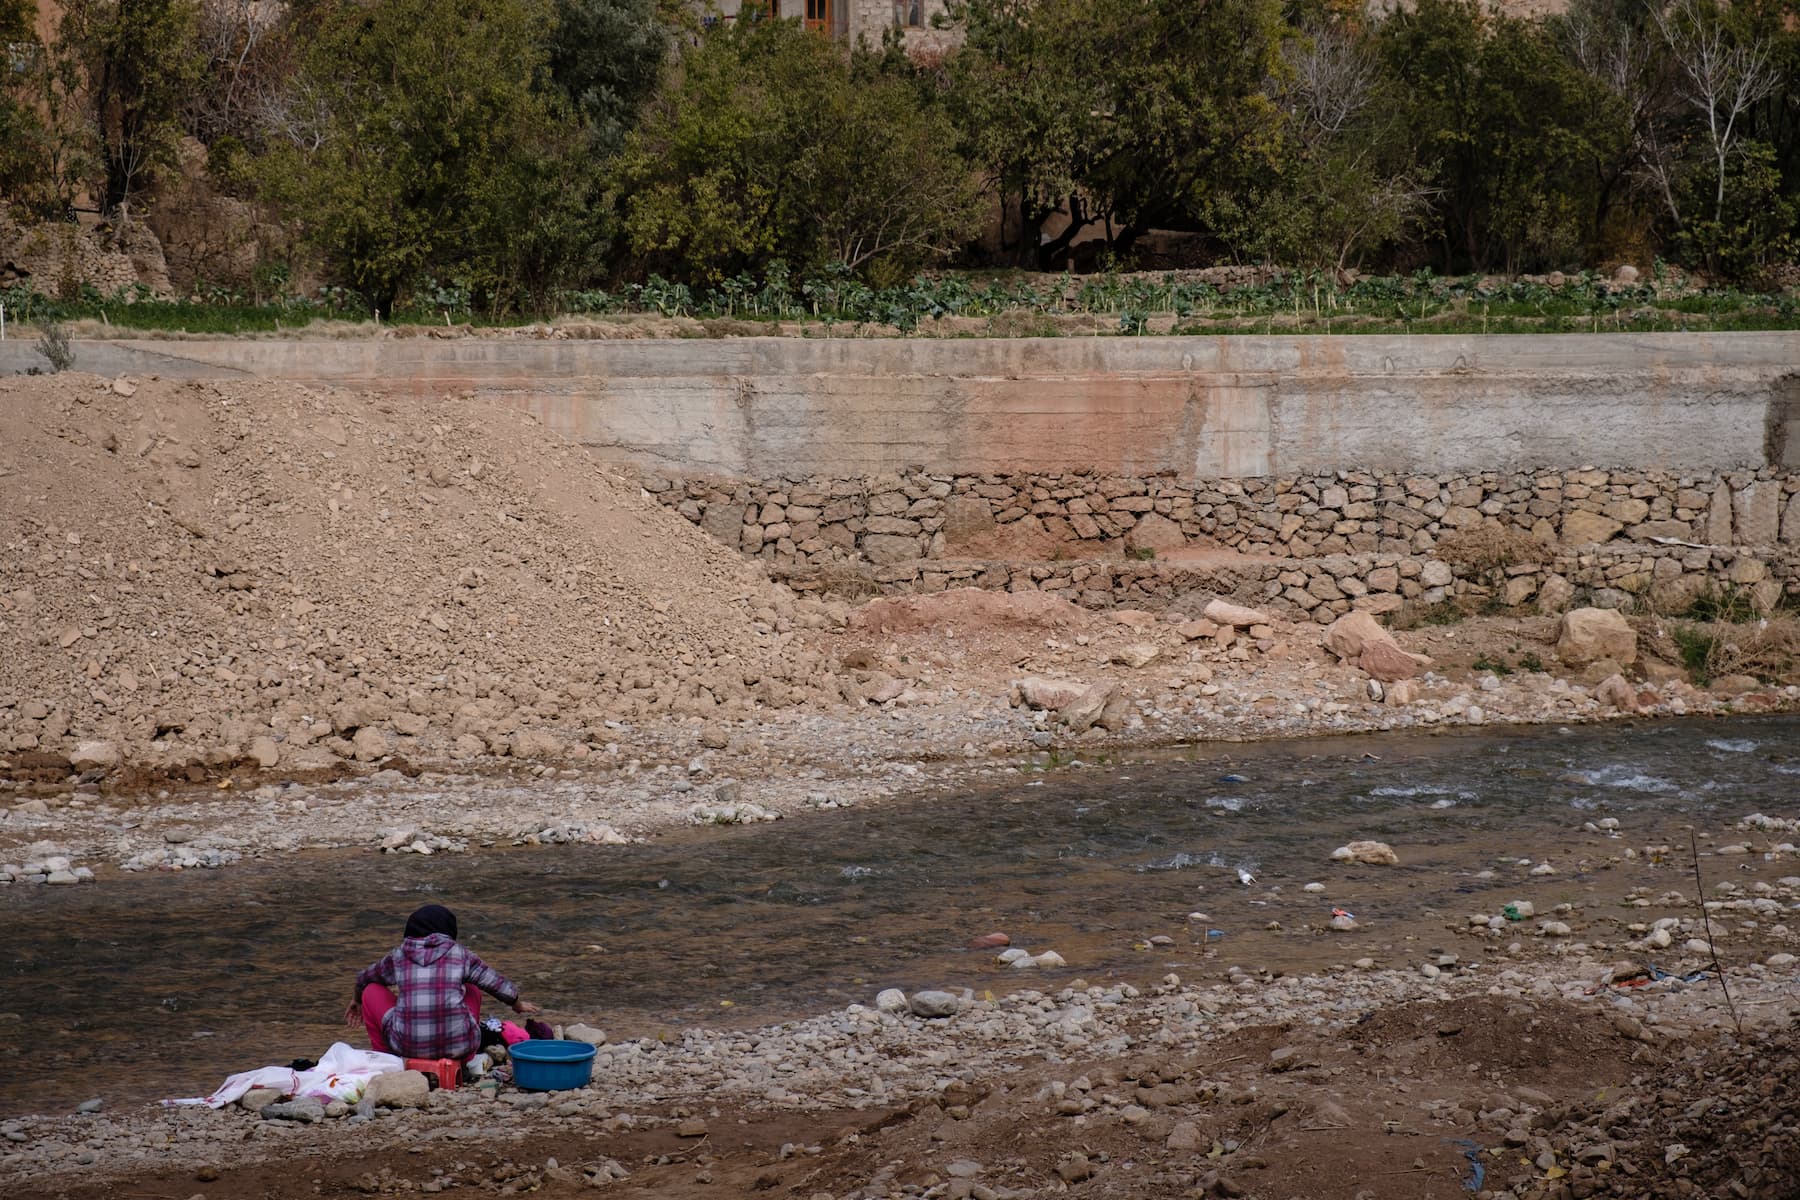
x=161 y=984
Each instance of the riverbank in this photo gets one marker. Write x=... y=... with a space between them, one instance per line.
x=950 y=725
x=1525 y=1080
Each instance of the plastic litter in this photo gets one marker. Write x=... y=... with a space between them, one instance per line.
x=1477 y=1173
x=1234 y=779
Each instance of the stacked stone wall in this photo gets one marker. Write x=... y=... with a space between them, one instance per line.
x=883 y=520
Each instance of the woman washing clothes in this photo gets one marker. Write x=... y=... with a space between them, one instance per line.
x=423 y=999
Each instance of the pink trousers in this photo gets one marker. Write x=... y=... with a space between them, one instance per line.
x=378 y=1000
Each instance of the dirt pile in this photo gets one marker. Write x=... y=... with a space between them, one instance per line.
x=194 y=574
x=1723 y=1122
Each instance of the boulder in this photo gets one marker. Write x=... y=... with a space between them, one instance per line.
x=934 y=1004
x=1347 y=636
x=1387 y=662
x=265 y=751
x=1614 y=690
x=94 y=756
x=536 y=744
x=1589 y=634
x=891 y=1000
x=1034 y=691
x=1155 y=532
x=306 y=1110
x=579 y=1032
x=1083 y=712
x=1223 y=612
x=1193 y=631
x=257 y=1099
x=1137 y=654
x=1375 y=854
x=398 y=1089
x=369 y=744
x=724 y=519
x=1357 y=637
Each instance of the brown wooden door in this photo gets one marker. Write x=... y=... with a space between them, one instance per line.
x=818 y=15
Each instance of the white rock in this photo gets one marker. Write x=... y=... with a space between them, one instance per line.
x=1378 y=854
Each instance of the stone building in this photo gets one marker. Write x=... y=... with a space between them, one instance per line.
x=849 y=20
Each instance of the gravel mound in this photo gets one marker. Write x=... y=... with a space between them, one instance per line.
x=204 y=573
x=1724 y=1121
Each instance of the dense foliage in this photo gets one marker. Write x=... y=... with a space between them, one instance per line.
x=503 y=155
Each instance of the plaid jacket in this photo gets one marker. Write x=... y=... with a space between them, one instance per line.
x=427 y=975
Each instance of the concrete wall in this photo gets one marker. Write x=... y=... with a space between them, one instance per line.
x=1199 y=408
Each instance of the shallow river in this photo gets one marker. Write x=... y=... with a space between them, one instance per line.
x=151 y=985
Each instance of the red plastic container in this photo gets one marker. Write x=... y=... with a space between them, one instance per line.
x=447 y=1070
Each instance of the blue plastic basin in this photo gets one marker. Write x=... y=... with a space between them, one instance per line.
x=545 y=1066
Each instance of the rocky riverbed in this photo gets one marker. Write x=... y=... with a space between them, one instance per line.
x=1557 y=1080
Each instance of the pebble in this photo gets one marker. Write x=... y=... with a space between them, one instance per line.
x=90 y=1106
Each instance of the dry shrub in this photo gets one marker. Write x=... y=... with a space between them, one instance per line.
x=848 y=580
x=1766 y=649
x=1490 y=548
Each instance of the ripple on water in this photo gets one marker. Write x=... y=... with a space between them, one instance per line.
x=1181 y=860
x=1732 y=745
x=1624 y=776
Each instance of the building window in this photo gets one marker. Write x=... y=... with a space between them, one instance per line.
x=909 y=14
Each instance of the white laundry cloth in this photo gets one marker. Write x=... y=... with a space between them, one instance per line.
x=341 y=1075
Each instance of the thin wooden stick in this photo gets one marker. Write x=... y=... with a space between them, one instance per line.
x=1712 y=946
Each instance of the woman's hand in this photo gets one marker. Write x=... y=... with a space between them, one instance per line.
x=526 y=1008
x=353 y=1015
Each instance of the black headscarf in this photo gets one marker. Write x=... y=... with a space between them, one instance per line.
x=433 y=918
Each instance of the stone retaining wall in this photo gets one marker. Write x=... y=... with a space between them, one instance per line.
x=888 y=519
x=1651 y=578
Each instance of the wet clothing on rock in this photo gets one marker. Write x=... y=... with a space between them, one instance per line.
x=436 y=1004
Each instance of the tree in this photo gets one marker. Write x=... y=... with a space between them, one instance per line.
x=1615 y=44
x=1722 y=77
x=1346 y=181
x=1514 y=128
x=432 y=149
x=248 y=53
x=1124 y=115
x=20 y=58
x=140 y=64
x=767 y=143
x=606 y=57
